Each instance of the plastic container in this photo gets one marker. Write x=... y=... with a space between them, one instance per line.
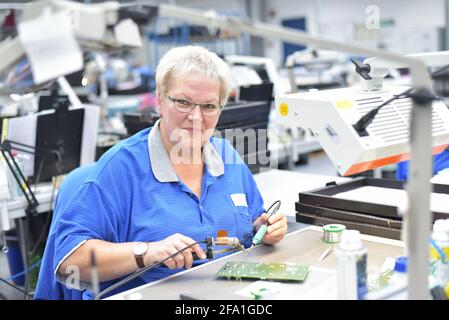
x=352 y=258
x=399 y=277
x=14 y=256
x=440 y=236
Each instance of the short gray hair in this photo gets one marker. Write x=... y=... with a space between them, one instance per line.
x=197 y=60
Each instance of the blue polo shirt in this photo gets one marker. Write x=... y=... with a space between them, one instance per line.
x=133 y=194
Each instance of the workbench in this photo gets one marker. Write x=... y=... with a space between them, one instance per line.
x=302 y=245
x=286 y=185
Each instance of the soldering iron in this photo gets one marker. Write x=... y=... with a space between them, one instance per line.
x=258 y=237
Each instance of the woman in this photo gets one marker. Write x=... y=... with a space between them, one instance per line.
x=164 y=188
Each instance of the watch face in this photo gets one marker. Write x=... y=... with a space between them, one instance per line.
x=140 y=249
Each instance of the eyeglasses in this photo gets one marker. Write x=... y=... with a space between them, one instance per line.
x=207 y=109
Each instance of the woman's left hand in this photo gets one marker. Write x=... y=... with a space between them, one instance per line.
x=277 y=227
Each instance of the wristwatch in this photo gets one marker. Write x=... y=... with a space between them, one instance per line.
x=139 y=252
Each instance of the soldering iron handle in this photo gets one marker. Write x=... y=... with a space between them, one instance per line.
x=260 y=234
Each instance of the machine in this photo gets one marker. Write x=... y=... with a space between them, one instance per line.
x=330 y=115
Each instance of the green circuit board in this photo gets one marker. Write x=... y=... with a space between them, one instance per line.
x=263 y=271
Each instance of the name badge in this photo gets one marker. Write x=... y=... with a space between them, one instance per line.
x=239 y=200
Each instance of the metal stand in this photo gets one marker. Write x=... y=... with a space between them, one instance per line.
x=418 y=190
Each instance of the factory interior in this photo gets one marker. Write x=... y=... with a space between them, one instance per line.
x=316 y=166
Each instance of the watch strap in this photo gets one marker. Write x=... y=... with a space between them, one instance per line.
x=139 y=261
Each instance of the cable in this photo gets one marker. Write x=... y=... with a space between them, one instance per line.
x=278 y=203
x=440 y=70
x=25 y=271
x=363 y=123
x=26 y=240
x=47 y=221
x=15 y=287
x=143 y=270
x=38 y=177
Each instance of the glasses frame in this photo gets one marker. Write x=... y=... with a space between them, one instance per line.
x=193 y=106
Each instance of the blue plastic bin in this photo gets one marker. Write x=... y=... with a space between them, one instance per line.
x=14 y=257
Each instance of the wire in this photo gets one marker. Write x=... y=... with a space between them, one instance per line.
x=363 y=123
x=278 y=205
x=39 y=172
x=47 y=221
x=440 y=70
x=26 y=239
x=25 y=271
x=143 y=270
x=15 y=287
x=366 y=120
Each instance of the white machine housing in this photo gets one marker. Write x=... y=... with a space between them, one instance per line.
x=330 y=114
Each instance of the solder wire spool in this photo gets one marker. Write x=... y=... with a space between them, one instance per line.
x=332 y=233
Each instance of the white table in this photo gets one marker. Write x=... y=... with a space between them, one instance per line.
x=285 y=185
x=13 y=209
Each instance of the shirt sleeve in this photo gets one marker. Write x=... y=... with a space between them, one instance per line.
x=89 y=215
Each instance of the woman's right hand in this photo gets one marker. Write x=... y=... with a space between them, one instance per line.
x=160 y=250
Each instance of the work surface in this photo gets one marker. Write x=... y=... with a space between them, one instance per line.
x=300 y=247
x=286 y=185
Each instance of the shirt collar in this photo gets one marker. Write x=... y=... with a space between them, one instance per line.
x=161 y=163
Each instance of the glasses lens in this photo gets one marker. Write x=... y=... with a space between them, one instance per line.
x=183 y=105
x=207 y=109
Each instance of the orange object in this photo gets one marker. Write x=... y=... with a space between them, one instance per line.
x=364 y=166
x=222 y=233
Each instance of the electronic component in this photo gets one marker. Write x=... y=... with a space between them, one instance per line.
x=264 y=271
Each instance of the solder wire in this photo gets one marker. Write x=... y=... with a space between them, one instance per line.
x=332 y=233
